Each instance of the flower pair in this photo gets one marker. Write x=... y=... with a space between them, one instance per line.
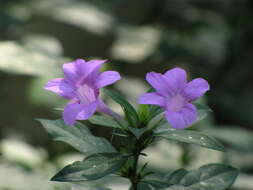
x=82 y=82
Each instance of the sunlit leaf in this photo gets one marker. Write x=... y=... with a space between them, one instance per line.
x=43 y=43
x=138 y=42
x=83 y=15
x=18 y=59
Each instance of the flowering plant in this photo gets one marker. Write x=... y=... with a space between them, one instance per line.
x=164 y=113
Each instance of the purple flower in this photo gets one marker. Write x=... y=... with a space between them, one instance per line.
x=81 y=83
x=175 y=95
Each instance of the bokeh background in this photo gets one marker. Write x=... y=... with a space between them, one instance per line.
x=212 y=39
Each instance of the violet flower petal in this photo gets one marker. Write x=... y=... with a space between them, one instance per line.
x=183 y=118
x=87 y=111
x=72 y=70
x=152 y=98
x=158 y=82
x=81 y=84
x=107 y=78
x=176 y=79
x=91 y=69
x=86 y=94
x=60 y=87
x=70 y=113
x=92 y=66
x=196 y=88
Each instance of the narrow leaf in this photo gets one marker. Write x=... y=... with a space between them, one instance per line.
x=193 y=137
x=130 y=112
x=78 y=136
x=144 y=114
x=154 y=110
x=93 y=167
x=104 y=121
x=137 y=132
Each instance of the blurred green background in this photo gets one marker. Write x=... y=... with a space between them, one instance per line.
x=212 y=39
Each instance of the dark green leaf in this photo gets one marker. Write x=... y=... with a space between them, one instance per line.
x=158 y=184
x=93 y=167
x=78 y=136
x=143 y=186
x=176 y=176
x=207 y=177
x=137 y=132
x=176 y=187
x=193 y=137
x=104 y=121
x=130 y=112
x=154 y=110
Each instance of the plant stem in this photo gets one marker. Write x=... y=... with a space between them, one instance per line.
x=134 y=178
x=139 y=145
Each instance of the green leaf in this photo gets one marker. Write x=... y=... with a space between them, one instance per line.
x=104 y=121
x=130 y=112
x=154 y=110
x=137 y=132
x=91 y=168
x=168 y=180
x=143 y=112
x=162 y=126
x=203 y=111
x=176 y=187
x=157 y=123
x=175 y=176
x=78 y=136
x=193 y=137
x=207 y=177
x=158 y=184
x=143 y=186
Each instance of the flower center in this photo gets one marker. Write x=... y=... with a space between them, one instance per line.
x=176 y=103
x=86 y=94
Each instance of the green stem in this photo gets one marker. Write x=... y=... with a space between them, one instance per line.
x=134 y=178
x=133 y=173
